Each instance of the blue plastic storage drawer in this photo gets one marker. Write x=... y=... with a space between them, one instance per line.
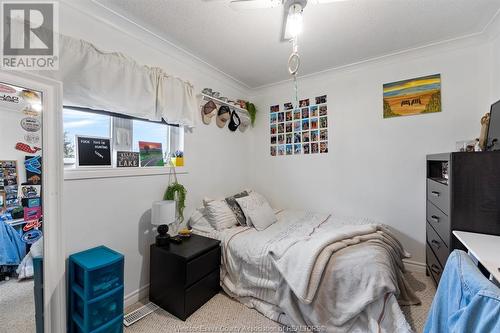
x=115 y=326
x=99 y=311
x=96 y=271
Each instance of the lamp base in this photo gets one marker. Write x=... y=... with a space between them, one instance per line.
x=163 y=237
x=163 y=240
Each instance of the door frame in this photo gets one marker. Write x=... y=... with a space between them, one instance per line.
x=54 y=252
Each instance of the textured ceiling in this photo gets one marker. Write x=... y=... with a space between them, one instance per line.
x=246 y=44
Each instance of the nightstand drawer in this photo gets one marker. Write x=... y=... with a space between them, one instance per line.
x=438 y=194
x=199 y=293
x=202 y=265
x=437 y=245
x=439 y=221
x=433 y=264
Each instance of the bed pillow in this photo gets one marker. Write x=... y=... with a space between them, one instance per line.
x=257 y=211
x=198 y=221
x=219 y=215
x=235 y=207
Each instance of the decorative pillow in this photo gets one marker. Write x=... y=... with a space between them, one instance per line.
x=235 y=207
x=198 y=221
x=257 y=210
x=219 y=215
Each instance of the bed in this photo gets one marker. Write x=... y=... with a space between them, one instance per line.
x=322 y=272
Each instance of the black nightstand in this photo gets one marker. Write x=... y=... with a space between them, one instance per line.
x=184 y=276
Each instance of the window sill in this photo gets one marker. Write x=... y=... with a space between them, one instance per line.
x=96 y=173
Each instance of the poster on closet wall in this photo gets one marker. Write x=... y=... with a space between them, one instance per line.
x=299 y=131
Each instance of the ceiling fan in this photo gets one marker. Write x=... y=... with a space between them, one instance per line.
x=292 y=12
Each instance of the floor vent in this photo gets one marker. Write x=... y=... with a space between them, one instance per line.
x=138 y=314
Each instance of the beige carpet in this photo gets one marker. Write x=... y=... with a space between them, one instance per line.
x=223 y=314
x=17 y=306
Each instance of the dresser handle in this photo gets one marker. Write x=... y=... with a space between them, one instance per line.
x=435 y=218
x=436 y=243
x=435 y=269
x=435 y=193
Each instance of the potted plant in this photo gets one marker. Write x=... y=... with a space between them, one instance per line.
x=177 y=192
x=177 y=158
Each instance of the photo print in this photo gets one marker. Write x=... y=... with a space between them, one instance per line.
x=323 y=135
x=297 y=138
x=281 y=150
x=306 y=148
x=305 y=136
x=296 y=114
x=314 y=123
x=315 y=135
x=305 y=112
x=303 y=130
x=281 y=117
x=305 y=124
x=323 y=147
x=323 y=110
x=313 y=111
x=314 y=148
x=297 y=126
x=320 y=99
x=273 y=150
x=281 y=128
x=323 y=122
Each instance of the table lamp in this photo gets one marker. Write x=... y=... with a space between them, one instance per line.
x=163 y=214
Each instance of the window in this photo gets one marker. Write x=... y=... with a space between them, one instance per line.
x=124 y=132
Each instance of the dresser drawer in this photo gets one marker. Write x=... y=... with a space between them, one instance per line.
x=439 y=195
x=202 y=265
x=199 y=293
x=437 y=245
x=439 y=221
x=433 y=264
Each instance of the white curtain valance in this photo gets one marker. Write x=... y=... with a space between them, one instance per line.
x=113 y=82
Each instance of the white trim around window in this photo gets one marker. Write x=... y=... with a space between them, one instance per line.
x=96 y=173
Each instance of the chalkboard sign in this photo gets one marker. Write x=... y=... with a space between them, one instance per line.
x=93 y=151
x=127 y=159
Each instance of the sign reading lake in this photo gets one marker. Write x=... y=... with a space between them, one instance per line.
x=413 y=96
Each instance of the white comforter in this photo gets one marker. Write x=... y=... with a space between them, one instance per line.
x=295 y=272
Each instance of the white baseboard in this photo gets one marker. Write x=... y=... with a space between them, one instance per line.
x=414 y=266
x=137 y=295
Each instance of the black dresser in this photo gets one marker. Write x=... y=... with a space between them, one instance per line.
x=463 y=193
x=184 y=276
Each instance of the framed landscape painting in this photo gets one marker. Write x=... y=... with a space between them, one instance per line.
x=414 y=96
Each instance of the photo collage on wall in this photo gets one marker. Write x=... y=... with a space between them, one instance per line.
x=301 y=131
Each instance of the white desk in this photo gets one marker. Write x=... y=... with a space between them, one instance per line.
x=485 y=248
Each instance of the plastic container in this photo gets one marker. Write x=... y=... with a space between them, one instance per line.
x=114 y=326
x=96 y=271
x=97 y=312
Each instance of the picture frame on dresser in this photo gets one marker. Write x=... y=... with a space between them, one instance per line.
x=468 y=199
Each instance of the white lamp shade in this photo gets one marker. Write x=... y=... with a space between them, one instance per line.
x=163 y=212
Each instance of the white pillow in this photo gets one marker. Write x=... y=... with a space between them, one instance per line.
x=257 y=211
x=198 y=221
x=219 y=215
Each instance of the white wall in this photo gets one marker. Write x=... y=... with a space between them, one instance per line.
x=115 y=211
x=375 y=167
